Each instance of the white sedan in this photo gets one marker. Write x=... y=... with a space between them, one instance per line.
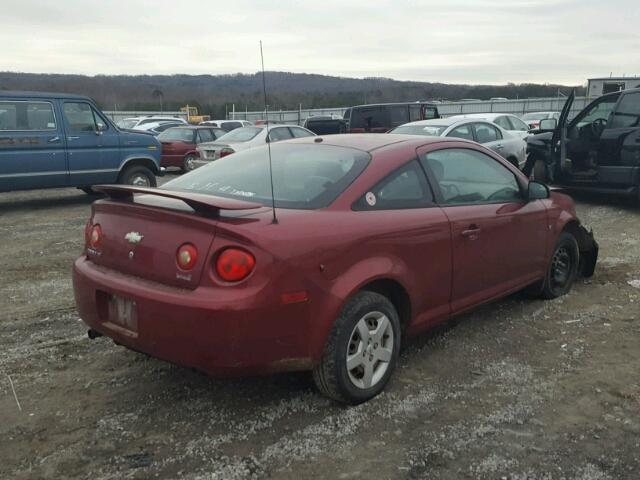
x=245 y=138
x=511 y=147
x=512 y=124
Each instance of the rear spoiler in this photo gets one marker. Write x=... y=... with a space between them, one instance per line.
x=199 y=202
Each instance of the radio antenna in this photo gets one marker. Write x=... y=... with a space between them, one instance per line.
x=274 y=220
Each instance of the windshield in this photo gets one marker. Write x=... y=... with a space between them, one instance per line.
x=127 y=123
x=304 y=176
x=177 y=135
x=428 y=130
x=535 y=116
x=243 y=134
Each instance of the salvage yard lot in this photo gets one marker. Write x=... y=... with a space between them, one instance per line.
x=518 y=389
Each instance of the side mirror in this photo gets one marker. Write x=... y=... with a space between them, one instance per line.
x=537 y=191
x=100 y=127
x=548 y=124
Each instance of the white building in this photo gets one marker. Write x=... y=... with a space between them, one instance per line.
x=602 y=86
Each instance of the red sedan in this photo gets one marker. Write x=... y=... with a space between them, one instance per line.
x=373 y=238
x=179 y=144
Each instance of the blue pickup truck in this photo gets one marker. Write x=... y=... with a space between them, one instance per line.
x=50 y=140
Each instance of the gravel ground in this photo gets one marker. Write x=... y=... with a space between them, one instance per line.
x=518 y=389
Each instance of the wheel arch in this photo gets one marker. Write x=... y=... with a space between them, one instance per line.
x=587 y=246
x=144 y=161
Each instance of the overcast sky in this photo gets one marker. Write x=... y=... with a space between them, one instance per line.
x=455 y=41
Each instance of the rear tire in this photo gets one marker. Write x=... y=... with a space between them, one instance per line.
x=138 y=176
x=365 y=337
x=188 y=165
x=563 y=267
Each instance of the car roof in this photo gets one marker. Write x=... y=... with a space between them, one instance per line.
x=195 y=127
x=44 y=95
x=484 y=115
x=369 y=142
x=440 y=122
x=392 y=104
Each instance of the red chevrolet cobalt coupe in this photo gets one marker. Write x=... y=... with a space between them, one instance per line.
x=373 y=238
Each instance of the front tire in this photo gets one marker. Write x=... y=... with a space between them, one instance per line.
x=563 y=267
x=138 y=176
x=361 y=351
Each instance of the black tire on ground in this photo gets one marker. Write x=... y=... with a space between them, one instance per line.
x=137 y=175
x=331 y=375
x=187 y=166
x=563 y=267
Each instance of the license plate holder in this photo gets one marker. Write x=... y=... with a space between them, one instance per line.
x=123 y=312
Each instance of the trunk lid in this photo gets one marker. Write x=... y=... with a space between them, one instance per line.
x=141 y=237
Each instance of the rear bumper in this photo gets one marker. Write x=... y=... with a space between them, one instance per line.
x=195 y=328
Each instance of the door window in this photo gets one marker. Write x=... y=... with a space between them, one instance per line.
x=414 y=113
x=406 y=187
x=463 y=131
x=80 y=117
x=205 y=135
x=486 y=133
x=278 y=134
x=228 y=126
x=628 y=112
x=399 y=114
x=467 y=176
x=26 y=116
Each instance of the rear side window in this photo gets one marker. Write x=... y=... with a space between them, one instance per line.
x=205 y=135
x=185 y=135
x=463 y=131
x=504 y=123
x=300 y=132
x=517 y=124
x=305 y=176
x=628 y=112
x=406 y=187
x=281 y=133
x=26 y=116
x=369 y=117
x=431 y=112
x=399 y=114
x=414 y=113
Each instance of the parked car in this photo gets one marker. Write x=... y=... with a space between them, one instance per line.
x=533 y=119
x=506 y=121
x=599 y=150
x=486 y=133
x=62 y=140
x=382 y=117
x=133 y=122
x=326 y=124
x=156 y=128
x=226 y=125
x=378 y=237
x=179 y=144
x=245 y=138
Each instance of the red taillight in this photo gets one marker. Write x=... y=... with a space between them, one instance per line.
x=95 y=237
x=226 y=151
x=234 y=264
x=187 y=256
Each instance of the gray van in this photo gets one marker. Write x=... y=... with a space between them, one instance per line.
x=50 y=140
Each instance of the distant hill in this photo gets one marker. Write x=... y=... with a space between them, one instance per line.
x=211 y=93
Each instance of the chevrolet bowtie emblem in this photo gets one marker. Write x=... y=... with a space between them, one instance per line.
x=133 y=237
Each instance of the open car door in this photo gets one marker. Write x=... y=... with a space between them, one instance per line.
x=559 y=140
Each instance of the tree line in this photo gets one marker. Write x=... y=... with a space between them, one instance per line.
x=215 y=94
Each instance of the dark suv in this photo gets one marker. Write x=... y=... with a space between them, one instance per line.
x=599 y=150
x=382 y=117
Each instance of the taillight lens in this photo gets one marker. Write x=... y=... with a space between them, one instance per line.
x=233 y=264
x=226 y=151
x=187 y=256
x=95 y=237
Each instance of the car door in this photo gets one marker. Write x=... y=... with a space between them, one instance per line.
x=87 y=163
x=498 y=237
x=619 y=146
x=404 y=222
x=31 y=145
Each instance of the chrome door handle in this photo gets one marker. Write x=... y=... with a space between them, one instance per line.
x=54 y=139
x=499 y=146
x=472 y=232
x=73 y=138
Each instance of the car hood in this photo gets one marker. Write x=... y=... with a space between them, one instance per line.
x=132 y=138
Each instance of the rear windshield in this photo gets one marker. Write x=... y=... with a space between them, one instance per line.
x=304 y=176
x=177 y=135
x=428 y=130
x=243 y=134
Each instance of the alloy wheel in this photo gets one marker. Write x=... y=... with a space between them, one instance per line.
x=370 y=350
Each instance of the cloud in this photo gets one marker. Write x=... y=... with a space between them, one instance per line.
x=463 y=41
